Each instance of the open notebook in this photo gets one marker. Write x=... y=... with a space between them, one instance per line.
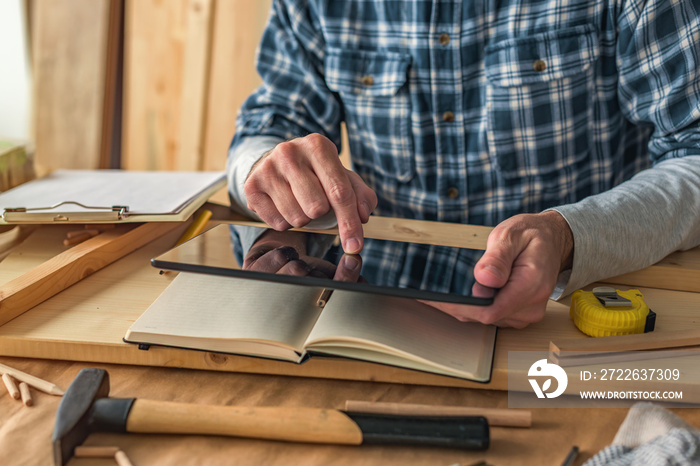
x=284 y=321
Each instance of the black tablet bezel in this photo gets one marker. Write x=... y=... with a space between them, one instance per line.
x=426 y=295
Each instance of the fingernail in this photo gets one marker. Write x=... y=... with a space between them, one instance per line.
x=351 y=263
x=352 y=246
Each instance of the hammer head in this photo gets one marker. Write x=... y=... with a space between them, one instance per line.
x=73 y=415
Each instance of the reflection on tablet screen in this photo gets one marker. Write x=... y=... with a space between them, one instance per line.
x=413 y=270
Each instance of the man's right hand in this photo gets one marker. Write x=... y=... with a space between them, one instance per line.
x=303 y=179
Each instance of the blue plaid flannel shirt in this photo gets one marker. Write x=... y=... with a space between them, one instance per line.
x=472 y=112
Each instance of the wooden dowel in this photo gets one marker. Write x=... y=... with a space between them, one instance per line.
x=36 y=382
x=78 y=236
x=26 y=395
x=11 y=386
x=495 y=416
x=76 y=239
x=86 y=232
x=121 y=459
x=83 y=451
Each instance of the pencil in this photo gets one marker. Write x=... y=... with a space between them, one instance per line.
x=196 y=227
x=569 y=460
x=36 y=382
x=11 y=386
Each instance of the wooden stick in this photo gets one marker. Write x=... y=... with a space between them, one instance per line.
x=26 y=395
x=635 y=342
x=83 y=451
x=495 y=416
x=121 y=459
x=72 y=265
x=76 y=237
x=86 y=232
x=36 y=382
x=11 y=386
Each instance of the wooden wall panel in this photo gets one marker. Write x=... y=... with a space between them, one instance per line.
x=238 y=27
x=69 y=55
x=154 y=36
x=167 y=49
x=195 y=84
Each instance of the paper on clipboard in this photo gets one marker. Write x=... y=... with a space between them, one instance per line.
x=109 y=196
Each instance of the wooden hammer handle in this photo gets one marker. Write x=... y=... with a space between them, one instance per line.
x=273 y=423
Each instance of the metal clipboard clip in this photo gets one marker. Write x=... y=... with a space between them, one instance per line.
x=41 y=214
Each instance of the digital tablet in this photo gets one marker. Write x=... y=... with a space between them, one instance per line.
x=393 y=268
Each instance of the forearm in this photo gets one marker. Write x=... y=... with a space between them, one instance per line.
x=636 y=223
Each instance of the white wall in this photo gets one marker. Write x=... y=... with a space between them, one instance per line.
x=15 y=81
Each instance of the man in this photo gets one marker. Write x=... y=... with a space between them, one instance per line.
x=573 y=126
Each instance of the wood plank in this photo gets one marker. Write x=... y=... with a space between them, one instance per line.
x=678 y=271
x=69 y=46
x=238 y=27
x=635 y=342
x=418 y=231
x=154 y=44
x=195 y=84
x=73 y=265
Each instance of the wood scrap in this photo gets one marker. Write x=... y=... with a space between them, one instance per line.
x=74 y=264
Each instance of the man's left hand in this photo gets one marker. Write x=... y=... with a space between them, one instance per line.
x=524 y=256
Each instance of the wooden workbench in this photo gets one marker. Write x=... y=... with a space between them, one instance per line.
x=86 y=322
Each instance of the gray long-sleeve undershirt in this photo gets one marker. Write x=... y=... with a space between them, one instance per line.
x=627 y=228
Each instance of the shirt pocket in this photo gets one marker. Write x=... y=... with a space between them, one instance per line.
x=539 y=100
x=374 y=91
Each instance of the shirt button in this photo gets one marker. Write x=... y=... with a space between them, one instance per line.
x=448 y=116
x=367 y=80
x=539 y=66
x=444 y=39
x=452 y=193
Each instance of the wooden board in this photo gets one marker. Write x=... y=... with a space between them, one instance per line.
x=69 y=54
x=238 y=27
x=87 y=323
x=154 y=44
x=166 y=83
x=195 y=84
x=678 y=271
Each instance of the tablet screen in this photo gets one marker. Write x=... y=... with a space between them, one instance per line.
x=394 y=268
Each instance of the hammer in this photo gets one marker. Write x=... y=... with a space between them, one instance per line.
x=86 y=408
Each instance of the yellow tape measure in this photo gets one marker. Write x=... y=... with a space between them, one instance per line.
x=606 y=311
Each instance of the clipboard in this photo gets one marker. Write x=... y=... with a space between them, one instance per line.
x=109 y=196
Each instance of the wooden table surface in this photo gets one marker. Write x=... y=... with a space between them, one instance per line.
x=82 y=326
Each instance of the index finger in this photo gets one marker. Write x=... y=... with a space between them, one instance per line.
x=341 y=196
